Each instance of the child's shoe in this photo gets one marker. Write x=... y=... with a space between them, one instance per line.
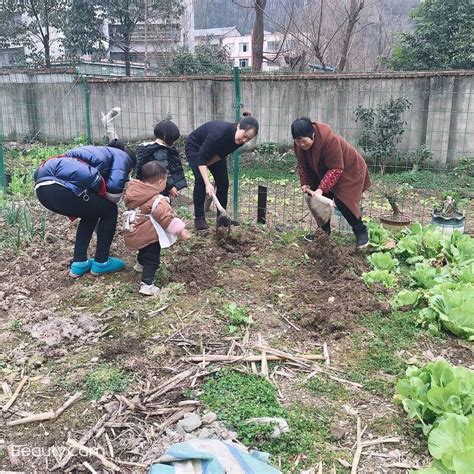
x=148 y=290
x=138 y=267
x=80 y=268
x=111 y=265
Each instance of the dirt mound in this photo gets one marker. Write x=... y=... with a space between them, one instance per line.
x=333 y=260
x=197 y=272
x=54 y=330
x=331 y=295
x=332 y=307
x=199 y=269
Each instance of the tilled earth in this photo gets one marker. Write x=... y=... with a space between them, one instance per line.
x=300 y=295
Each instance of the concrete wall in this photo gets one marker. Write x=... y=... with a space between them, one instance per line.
x=53 y=107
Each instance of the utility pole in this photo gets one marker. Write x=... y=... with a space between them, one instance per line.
x=146 y=38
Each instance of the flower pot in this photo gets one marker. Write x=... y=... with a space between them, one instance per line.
x=395 y=224
x=449 y=224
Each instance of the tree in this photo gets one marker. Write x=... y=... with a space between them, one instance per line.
x=39 y=24
x=208 y=58
x=32 y=23
x=353 y=15
x=320 y=30
x=442 y=38
x=258 y=35
x=82 y=30
x=129 y=13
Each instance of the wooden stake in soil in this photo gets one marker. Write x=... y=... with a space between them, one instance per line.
x=358 y=451
x=326 y=354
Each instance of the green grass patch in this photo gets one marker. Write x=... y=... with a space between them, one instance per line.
x=236 y=397
x=454 y=180
x=120 y=296
x=375 y=363
x=328 y=389
x=105 y=379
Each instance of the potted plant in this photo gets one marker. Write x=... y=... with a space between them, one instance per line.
x=448 y=218
x=397 y=220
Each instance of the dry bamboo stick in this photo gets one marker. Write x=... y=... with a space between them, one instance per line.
x=85 y=438
x=15 y=394
x=89 y=467
x=130 y=463
x=174 y=418
x=6 y=389
x=326 y=355
x=92 y=452
x=380 y=441
x=109 y=445
x=48 y=415
x=249 y=358
x=168 y=384
x=285 y=355
x=358 y=451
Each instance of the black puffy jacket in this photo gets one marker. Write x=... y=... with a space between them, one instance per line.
x=166 y=155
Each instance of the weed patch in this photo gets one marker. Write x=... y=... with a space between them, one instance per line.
x=105 y=379
x=236 y=397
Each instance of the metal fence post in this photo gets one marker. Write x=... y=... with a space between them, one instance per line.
x=87 y=109
x=236 y=154
x=2 y=166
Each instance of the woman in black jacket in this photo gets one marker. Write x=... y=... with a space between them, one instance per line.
x=206 y=150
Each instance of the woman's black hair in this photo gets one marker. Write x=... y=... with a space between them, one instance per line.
x=247 y=122
x=167 y=131
x=120 y=145
x=302 y=127
x=153 y=170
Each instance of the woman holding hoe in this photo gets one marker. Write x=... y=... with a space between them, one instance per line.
x=329 y=166
x=206 y=150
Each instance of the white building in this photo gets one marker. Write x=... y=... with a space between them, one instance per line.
x=240 y=46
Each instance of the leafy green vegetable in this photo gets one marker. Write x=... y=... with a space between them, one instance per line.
x=452 y=443
x=425 y=275
x=418 y=241
x=379 y=276
x=434 y=390
x=383 y=261
x=458 y=248
x=407 y=298
x=378 y=236
x=455 y=308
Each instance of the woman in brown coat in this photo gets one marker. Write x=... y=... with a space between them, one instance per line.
x=328 y=165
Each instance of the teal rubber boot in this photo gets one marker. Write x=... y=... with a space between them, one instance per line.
x=80 y=268
x=111 y=265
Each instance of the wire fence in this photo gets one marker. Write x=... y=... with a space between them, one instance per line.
x=419 y=157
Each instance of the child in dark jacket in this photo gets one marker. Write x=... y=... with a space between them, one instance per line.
x=149 y=224
x=163 y=151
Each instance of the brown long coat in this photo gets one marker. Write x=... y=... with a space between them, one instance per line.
x=140 y=196
x=330 y=150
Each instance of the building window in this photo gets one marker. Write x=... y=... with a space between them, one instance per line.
x=273 y=45
x=244 y=47
x=243 y=62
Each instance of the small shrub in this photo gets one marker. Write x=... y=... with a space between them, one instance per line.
x=382 y=129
